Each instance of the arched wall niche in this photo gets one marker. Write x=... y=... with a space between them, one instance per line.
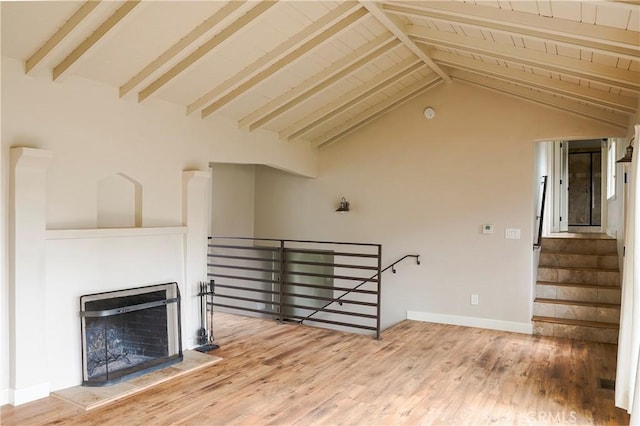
x=119 y=202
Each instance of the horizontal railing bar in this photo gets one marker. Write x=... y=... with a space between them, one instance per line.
x=294 y=250
x=331 y=311
x=235 y=277
x=333 y=253
x=296 y=241
x=292 y=305
x=333 y=299
x=338 y=265
x=344 y=324
x=229 y=256
x=305 y=296
x=306 y=274
x=275 y=314
x=229 y=246
x=244 y=268
x=244 y=299
x=296 y=262
x=255 y=290
x=240 y=308
x=325 y=287
x=339 y=277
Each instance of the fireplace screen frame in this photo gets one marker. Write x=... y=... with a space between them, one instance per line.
x=171 y=302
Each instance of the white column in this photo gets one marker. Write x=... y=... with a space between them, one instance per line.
x=195 y=216
x=27 y=301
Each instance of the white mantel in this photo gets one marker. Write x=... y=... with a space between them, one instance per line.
x=51 y=269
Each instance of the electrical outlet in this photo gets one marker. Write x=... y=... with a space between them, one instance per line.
x=474 y=299
x=487 y=228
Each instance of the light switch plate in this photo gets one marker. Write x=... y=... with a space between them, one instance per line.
x=512 y=233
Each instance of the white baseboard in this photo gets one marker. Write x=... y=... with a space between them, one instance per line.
x=32 y=393
x=515 y=327
x=4 y=397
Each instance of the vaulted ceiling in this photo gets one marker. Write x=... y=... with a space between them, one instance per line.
x=318 y=70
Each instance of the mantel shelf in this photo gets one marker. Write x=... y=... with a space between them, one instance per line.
x=62 y=234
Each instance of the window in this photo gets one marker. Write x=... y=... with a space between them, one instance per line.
x=611 y=168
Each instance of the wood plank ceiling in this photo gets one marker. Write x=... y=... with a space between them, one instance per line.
x=318 y=70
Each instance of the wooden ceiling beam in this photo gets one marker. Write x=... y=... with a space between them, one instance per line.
x=62 y=32
x=589 y=71
x=322 y=30
x=64 y=66
x=376 y=111
x=352 y=98
x=396 y=28
x=531 y=95
x=209 y=24
x=325 y=78
x=221 y=37
x=595 y=97
x=593 y=38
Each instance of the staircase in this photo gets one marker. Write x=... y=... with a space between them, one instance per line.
x=578 y=288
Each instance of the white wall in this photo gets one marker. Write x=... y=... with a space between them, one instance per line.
x=233 y=200
x=615 y=219
x=4 y=273
x=92 y=134
x=427 y=186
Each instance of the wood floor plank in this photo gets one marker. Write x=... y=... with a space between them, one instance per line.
x=419 y=373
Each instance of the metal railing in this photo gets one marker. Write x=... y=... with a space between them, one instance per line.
x=542 y=195
x=338 y=300
x=299 y=280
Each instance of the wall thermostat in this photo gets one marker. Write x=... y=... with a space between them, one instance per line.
x=487 y=229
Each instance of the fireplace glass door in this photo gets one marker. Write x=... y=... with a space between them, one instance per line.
x=129 y=332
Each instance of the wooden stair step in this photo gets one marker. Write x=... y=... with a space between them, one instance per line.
x=578 y=260
x=583 y=285
x=579 y=236
x=582 y=323
x=574 y=268
x=579 y=303
x=580 y=245
x=552 y=251
x=579 y=275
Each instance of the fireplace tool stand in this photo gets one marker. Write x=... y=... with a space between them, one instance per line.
x=205 y=333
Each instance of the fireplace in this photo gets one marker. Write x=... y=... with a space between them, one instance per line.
x=130 y=332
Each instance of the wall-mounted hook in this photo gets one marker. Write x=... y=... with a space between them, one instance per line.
x=418 y=259
x=393 y=269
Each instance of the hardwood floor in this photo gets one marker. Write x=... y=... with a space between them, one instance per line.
x=418 y=373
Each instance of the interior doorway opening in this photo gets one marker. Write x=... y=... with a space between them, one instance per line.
x=581 y=185
x=584 y=189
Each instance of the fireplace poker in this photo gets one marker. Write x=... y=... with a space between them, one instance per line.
x=210 y=325
x=202 y=332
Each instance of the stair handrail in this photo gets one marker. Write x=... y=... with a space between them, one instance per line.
x=338 y=299
x=540 y=216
